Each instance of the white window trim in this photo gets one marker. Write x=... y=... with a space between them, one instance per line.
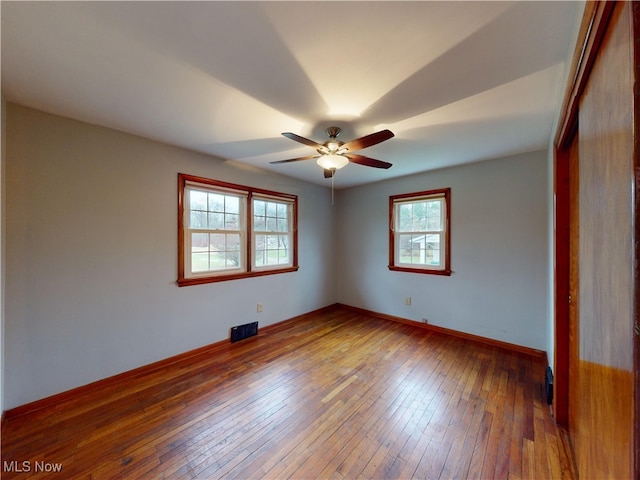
x=189 y=273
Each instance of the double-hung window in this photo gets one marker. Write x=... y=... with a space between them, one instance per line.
x=420 y=232
x=228 y=231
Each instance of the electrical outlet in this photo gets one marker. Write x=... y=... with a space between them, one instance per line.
x=407 y=301
x=259 y=308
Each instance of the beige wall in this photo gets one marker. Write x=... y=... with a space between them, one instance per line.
x=92 y=256
x=499 y=255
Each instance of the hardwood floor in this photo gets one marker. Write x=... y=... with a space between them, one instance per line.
x=337 y=395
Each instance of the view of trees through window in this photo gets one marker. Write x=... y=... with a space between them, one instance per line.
x=214 y=222
x=271 y=229
x=228 y=231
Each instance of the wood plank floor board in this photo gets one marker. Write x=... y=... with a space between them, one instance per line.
x=338 y=394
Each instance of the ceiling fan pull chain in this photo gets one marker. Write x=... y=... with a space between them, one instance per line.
x=334 y=173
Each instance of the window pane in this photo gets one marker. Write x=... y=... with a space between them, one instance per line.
x=259 y=208
x=216 y=221
x=419 y=217
x=408 y=249
x=198 y=219
x=231 y=221
x=213 y=211
x=200 y=262
x=216 y=202
x=218 y=261
x=259 y=224
x=434 y=215
x=233 y=242
x=218 y=242
x=432 y=250
x=419 y=249
x=199 y=241
x=271 y=250
x=260 y=251
x=225 y=250
x=199 y=252
x=232 y=204
x=232 y=259
x=405 y=217
x=270 y=216
x=283 y=249
x=198 y=200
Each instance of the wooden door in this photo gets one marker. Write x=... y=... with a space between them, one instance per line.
x=597 y=151
x=604 y=415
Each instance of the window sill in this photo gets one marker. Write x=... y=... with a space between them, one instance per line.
x=427 y=271
x=185 y=282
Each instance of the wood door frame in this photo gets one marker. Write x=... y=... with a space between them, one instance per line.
x=561 y=286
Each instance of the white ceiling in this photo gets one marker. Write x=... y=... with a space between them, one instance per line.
x=456 y=82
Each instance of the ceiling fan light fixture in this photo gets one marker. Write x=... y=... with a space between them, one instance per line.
x=335 y=154
x=333 y=146
x=332 y=162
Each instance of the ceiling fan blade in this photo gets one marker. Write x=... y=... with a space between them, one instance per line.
x=303 y=140
x=368 y=140
x=310 y=157
x=367 y=161
x=328 y=173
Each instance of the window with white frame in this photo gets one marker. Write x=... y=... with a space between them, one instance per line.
x=271 y=232
x=229 y=231
x=419 y=232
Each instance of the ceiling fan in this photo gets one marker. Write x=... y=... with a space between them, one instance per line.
x=334 y=154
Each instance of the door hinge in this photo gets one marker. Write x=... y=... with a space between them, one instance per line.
x=636 y=328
